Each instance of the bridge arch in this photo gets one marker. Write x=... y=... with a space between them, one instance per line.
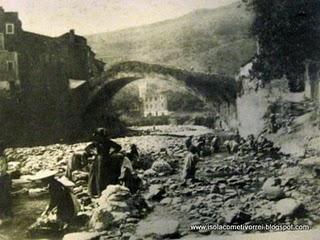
x=219 y=91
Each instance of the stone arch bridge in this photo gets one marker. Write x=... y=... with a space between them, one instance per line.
x=218 y=91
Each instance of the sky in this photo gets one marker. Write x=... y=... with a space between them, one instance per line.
x=55 y=17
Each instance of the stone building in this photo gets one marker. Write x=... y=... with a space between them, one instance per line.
x=9 y=74
x=155 y=105
x=42 y=74
x=154 y=102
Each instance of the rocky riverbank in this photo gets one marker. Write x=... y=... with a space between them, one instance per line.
x=255 y=187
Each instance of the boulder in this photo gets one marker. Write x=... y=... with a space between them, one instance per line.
x=166 y=201
x=176 y=200
x=186 y=207
x=310 y=162
x=150 y=173
x=114 y=193
x=114 y=206
x=290 y=175
x=287 y=207
x=158 y=228
x=156 y=192
x=77 y=190
x=236 y=216
x=79 y=175
x=271 y=189
x=161 y=166
x=101 y=219
x=83 y=236
x=292 y=171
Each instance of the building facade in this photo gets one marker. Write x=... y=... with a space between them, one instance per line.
x=9 y=72
x=40 y=73
x=28 y=58
x=155 y=105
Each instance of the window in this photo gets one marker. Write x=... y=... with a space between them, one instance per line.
x=9 y=28
x=10 y=66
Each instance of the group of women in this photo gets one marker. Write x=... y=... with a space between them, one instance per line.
x=107 y=166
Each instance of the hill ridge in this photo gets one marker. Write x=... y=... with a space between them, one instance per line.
x=206 y=40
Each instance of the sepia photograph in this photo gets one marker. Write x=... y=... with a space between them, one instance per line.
x=159 y=119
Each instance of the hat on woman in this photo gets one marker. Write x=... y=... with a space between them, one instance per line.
x=99 y=134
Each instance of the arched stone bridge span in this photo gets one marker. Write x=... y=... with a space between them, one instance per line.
x=219 y=91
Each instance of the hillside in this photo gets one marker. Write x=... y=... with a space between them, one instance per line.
x=203 y=39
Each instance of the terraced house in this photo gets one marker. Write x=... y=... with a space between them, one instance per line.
x=44 y=75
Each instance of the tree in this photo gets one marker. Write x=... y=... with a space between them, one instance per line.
x=288 y=32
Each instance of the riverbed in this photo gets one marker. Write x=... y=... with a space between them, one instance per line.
x=229 y=191
x=26 y=211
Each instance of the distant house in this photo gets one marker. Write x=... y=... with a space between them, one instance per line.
x=154 y=102
x=155 y=105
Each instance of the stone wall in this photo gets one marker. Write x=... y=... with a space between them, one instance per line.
x=253 y=100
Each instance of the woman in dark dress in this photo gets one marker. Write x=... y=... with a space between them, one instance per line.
x=62 y=209
x=62 y=202
x=61 y=198
x=104 y=171
x=5 y=187
x=133 y=155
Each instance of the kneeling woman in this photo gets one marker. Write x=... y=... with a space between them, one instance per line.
x=63 y=206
